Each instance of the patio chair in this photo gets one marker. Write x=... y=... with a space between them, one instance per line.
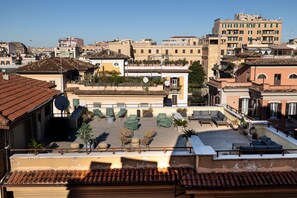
x=126 y=132
x=150 y=133
x=110 y=112
x=146 y=142
x=125 y=141
x=166 y=122
x=122 y=113
x=131 y=124
x=177 y=116
x=98 y=113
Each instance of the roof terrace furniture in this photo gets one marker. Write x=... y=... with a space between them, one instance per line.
x=163 y=121
x=110 y=112
x=98 y=113
x=146 y=142
x=131 y=124
x=267 y=142
x=177 y=116
x=219 y=119
x=260 y=149
x=126 y=132
x=132 y=117
x=125 y=141
x=198 y=115
x=122 y=113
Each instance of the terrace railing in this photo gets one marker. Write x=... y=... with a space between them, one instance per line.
x=98 y=150
x=253 y=152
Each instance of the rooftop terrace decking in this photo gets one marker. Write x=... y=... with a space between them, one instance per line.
x=220 y=137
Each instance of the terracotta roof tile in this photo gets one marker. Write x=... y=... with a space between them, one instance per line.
x=55 y=65
x=238 y=180
x=100 y=177
x=20 y=95
x=269 y=61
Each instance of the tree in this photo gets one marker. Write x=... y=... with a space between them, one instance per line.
x=197 y=76
x=85 y=133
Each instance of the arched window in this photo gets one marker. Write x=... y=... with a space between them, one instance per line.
x=262 y=76
x=293 y=76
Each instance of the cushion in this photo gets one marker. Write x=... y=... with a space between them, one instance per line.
x=196 y=113
x=205 y=113
x=213 y=113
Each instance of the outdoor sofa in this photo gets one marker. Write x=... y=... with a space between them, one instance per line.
x=219 y=118
x=263 y=145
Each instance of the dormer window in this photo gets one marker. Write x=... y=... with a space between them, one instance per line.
x=293 y=76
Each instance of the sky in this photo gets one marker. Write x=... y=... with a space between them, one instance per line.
x=40 y=23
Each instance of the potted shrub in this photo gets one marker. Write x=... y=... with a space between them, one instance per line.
x=180 y=124
x=147 y=113
x=85 y=133
x=183 y=111
x=187 y=134
x=33 y=144
x=234 y=124
x=243 y=123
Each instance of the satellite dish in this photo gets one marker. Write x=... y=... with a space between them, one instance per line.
x=145 y=80
x=126 y=63
x=62 y=103
x=167 y=83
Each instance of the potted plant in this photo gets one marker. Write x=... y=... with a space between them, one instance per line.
x=33 y=144
x=180 y=124
x=147 y=113
x=187 y=134
x=182 y=112
x=234 y=124
x=85 y=133
x=244 y=124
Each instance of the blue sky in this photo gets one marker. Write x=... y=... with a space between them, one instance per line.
x=45 y=21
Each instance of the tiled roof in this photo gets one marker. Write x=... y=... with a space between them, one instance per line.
x=107 y=54
x=20 y=95
x=268 y=61
x=98 y=177
x=117 y=92
x=158 y=71
x=239 y=180
x=55 y=65
x=188 y=178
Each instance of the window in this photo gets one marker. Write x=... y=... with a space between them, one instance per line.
x=262 y=76
x=259 y=32
x=52 y=81
x=293 y=76
x=274 y=110
x=236 y=25
x=97 y=105
x=292 y=108
x=276 y=25
x=174 y=82
x=119 y=51
x=157 y=51
x=223 y=25
x=116 y=64
x=276 y=32
x=134 y=51
x=199 y=51
x=240 y=38
x=259 y=25
x=191 y=51
x=166 y=52
x=176 y=51
x=241 y=32
x=184 y=51
x=265 y=25
x=149 y=51
x=243 y=104
x=241 y=25
x=230 y=25
x=275 y=38
x=271 y=25
x=250 y=32
x=222 y=52
x=141 y=51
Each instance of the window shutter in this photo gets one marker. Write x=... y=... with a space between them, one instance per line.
x=268 y=111
x=287 y=109
x=279 y=110
x=240 y=105
x=178 y=82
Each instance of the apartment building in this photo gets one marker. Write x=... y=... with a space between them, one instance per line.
x=263 y=88
x=70 y=42
x=69 y=47
x=245 y=28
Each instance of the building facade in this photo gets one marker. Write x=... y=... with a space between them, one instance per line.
x=245 y=28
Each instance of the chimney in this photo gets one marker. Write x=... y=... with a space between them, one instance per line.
x=5 y=76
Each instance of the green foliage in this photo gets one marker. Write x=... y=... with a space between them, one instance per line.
x=188 y=133
x=197 y=76
x=33 y=144
x=178 y=122
x=196 y=97
x=85 y=132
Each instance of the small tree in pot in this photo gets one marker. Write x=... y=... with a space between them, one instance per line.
x=180 y=124
x=85 y=133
